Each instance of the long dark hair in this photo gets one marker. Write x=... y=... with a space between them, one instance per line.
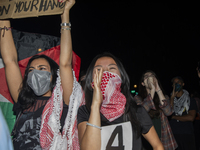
x=26 y=95
x=143 y=94
x=131 y=107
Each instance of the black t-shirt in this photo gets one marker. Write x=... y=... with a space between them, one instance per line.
x=142 y=115
x=27 y=126
x=180 y=127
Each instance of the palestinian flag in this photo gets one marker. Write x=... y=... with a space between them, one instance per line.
x=27 y=45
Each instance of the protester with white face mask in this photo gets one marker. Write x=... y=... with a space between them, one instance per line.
x=39 y=81
x=42 y=98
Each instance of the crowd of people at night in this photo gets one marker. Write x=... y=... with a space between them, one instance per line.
x=92 y=113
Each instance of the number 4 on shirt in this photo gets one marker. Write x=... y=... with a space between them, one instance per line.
x=118 y=130
x=117 y=137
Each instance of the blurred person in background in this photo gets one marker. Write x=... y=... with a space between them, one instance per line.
x=181 y=121
x=153 y=99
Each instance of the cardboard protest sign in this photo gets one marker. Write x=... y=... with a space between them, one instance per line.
x=29 y=8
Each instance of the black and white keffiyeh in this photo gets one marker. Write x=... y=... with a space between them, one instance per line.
x=181 y=104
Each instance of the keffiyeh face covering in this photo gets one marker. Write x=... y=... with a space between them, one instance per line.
x=113 y=100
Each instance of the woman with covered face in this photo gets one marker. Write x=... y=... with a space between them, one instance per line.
x=157 y=104
x=181 y=121
x=110 y=119
x=42 y=97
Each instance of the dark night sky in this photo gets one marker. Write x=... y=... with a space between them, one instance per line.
x=163 y=37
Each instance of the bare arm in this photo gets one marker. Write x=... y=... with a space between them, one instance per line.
x=173 y=96
x=66 y=54
x=189 y=117
x=161 y=96
x=155 y=141
x=159 y=91
x=90 y=137
x=9 y=55
x=166 y=107
x=154 y=87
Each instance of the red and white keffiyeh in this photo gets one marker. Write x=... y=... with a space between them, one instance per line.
x=113 y=100
x=50 y=136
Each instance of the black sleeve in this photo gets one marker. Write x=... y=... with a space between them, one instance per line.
x=193 y=104
x=83 y=114
x=144 y=119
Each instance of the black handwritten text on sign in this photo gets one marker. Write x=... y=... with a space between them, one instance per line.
x=29 y=8
x=26 y=6
x=37 y=5
x=117 y=137
x=4 y=9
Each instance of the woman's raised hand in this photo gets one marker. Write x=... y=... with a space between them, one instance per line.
x=174 y=93
x=151 y=83
x=157 y=87
x=97 y=95
x=68 y=4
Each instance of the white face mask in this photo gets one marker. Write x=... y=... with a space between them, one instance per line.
x=39 y=81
